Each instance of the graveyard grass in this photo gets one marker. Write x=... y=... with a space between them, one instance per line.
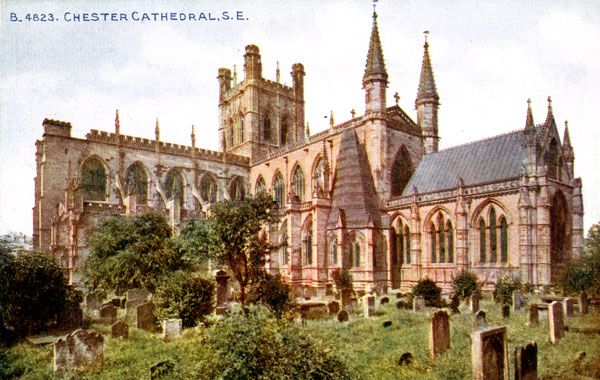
x=364 y=345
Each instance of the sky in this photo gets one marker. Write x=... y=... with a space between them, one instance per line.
x=488 y=58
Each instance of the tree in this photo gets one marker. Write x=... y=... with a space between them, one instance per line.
x=33 y=292
x=128 y=253
x=233 y=235
x=583 y=274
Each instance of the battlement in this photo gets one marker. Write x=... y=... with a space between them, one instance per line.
x=164 y=147
x=57 y=127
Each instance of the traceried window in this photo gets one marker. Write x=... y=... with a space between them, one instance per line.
x=283 y=243
x=241 y=129
x=137 y=182
x=433 y=243
x=407 y=243
x=401 y=171
x=333 y=253
x=93 y=180
x=441 y=239
x=208 y=189
x=503 y=240
x=174 y=186
x=237 y=189
x=482 y=242
x=298 y=183
x=356 y=256
x=307 y=241
x=279 y=190
x=261 y=187
x=450 y=237
x=493 y=237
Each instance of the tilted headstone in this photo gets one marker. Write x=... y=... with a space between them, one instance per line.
x=384 y=300
x=222 y=278
x=131 y=309
x=569 y=306
x=526 y=362
x=439 y=333
x=489 y=355
x=171 y=329
x=480 y=322
x=543 y=311
x=368 y=303
x=556 y=322
x=583 y=303
x=333 y=308
x=162 y=370
x=119 y=329
x=505 y=311
x=93 y=301
x=77 y=350
x=342 y=316
x=347 y=299
x=108 y=314
x=517 y=299
x=418 y=304
x=534 y=315
x=145 y=317
x=475 y=302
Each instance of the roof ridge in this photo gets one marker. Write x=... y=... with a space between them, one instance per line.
x=482 y=140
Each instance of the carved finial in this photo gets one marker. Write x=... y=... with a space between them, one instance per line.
x=157 y=130
x=353 y=113
x=193 y=136
x=549 y=103
x=117 y=123
x=426 y=33
x=234 y=75
x=307 y=129
x=277 y=72
x=397 y=97
x=331 y=122
x=374 y=9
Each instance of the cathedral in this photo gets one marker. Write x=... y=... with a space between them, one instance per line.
x=373 y=195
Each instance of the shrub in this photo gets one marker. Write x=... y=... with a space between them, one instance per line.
x=185 y=296
x=464 y=284
x=427 y=289
x=505 y=288
x=253 y=346
x=273 y=293
x=33 y=292
x=576 y=277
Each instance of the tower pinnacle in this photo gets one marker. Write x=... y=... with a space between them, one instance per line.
x=375 y=79
x=427 y=89
x=427 y=103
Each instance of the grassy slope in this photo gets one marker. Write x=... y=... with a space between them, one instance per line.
x=364 y=344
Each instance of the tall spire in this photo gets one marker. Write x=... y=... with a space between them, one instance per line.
x=529 y=124
x=427 y=90
x=375 y=67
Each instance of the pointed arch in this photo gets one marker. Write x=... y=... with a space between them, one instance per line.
x=283 y=244
x=278 y=189
x=450 y=237
x=503 y=240
x=261 y=186
x=94 y=179
x=298 y=183
x=136 y=183
x=551 y=159
x=209 y=188
x=560 y=234
x=241 y=130
x=493 y=235
x=482 y=241
x=317 y=174
x=175 y=186
x=307 y=241
x=237 y=189
x=441 y=238
x=332 y=247
x=402 y=170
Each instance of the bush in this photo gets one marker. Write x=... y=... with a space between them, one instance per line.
x=184 y=296
x=253 y=346
x=33 y=292
x=273 y=293
x=427 y=289
x=464 y=284
x=505 y=288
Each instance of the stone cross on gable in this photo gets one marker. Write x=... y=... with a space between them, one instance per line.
x=397 y=97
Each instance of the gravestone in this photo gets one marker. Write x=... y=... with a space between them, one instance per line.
x=569 y=306
x=480 y=322
x=108 y=314
x=543 y=311
x=517 y=299
x=583 y=303
x=222 y=292
x=475 y=302
x=505 y=311
x=342 y=316
x=439 y=333
x=403 y=305
x=526 y=362
x=534 y=316
x=119 y=329
x=137 y=294
x=333 y=308
x=171 y=329
x=556 y=322
x=72 y=318
x=384 y=300
x=368 y=302
x=347 y=299
x=418 y=304
x=145 y=317
x=489 y=354
x=78 y=350
x=93 y=301
x=162 y=370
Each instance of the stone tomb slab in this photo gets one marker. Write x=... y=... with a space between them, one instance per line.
x=439 y=333
x=569 y=306
x=333 y=308
x=131 y=310
x=145 y=317
x=474 y=301
x=137 y=294
x=517 y=300
x=368 y=303
x=526 y=362
x=556 y=321
x=489 y=355
x=78 y=350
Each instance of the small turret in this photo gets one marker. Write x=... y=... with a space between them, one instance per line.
x=157 y=130
x=117 y=124
x=298 y=79
x=252 y=63
x=224 y=81
x=375 y=79
x=193 y=136
x=567 y=149
x=529 y=125
x=427 y=104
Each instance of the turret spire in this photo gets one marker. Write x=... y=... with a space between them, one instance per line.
x=550 y=117
x=427 y=90
x=375 y=67
x=566 y=137
x=529 y=124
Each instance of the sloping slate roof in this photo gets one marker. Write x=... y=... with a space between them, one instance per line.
x=353 y=191
x=494 y=159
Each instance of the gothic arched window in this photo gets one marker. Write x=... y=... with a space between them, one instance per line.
x=493 y=237
x=307 y=242
x=261 y=187
x=433 y=243
x=137 y=182
x=318 y=175
x=356 y=257
x=333 y=251
x=241 y=129
x=503 y=240
x=174 y=186
x=298 y=183
x=237 y=189
x=283 y=243
x=407 y=242
x=450 y=237
x=279 y=190
x=482 y=241
x=208 y=189
x=401 y=172
x=441 y=239
x=93 y=180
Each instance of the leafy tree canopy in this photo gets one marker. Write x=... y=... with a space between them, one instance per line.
x=584 y=274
